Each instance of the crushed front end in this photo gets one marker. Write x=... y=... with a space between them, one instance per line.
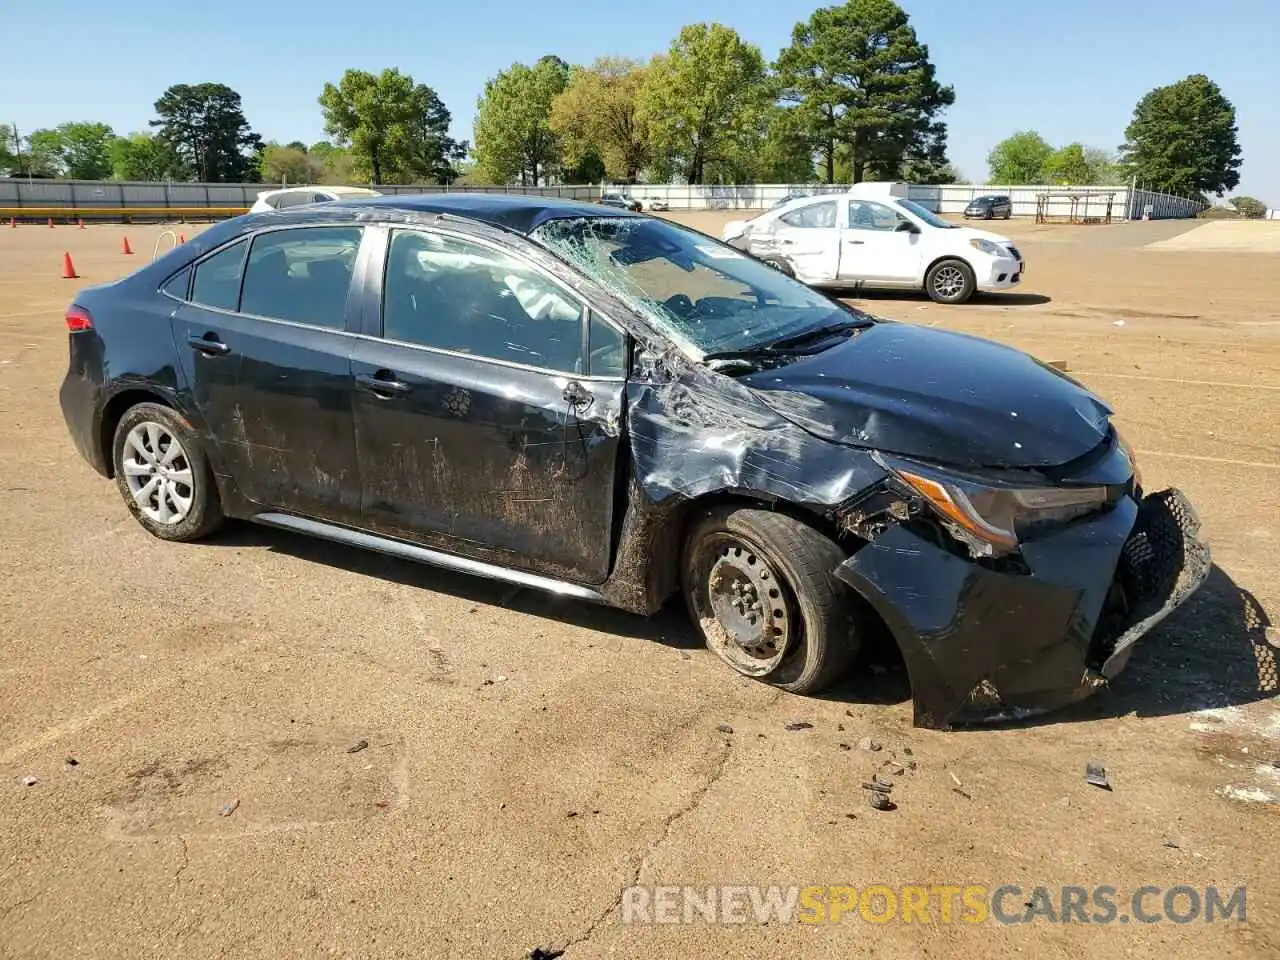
x=993 y=629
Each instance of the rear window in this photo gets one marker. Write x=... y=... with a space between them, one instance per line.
x=301 y=275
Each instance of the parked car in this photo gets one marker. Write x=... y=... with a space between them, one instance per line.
x=287 y=197
x=615 y=408
x=621 y=201
x=657 y=204
x=989 y=208
x=873 y=236
x=787 y=199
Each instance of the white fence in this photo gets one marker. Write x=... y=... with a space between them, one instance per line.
x=1125 y=203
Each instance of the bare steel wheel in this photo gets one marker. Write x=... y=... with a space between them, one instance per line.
x=761 y=587
x=162 y=473
x=950 y=281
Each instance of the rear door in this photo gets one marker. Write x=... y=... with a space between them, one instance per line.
x=488 y=409
x=265 y=345
x=809 y=238
x=877 y=247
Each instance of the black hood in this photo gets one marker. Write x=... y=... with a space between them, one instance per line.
x=939 y=396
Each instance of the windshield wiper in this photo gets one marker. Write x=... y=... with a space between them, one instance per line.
x=784 y=345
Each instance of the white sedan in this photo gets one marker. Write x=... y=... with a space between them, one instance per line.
x=873 y=236
x=302 y=196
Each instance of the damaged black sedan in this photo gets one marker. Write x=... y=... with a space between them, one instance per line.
x=614 y=408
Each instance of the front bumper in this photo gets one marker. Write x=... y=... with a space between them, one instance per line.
x=1003 y=273
x=982 y=644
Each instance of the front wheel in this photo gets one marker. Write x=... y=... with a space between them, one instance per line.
x=163 y=475
x=780 y=264
x=950 y=281
x=762 y=589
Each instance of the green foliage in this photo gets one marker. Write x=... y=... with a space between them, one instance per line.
x=8 y=156
x=204 y=125
x=289 y=164
x=1248 y=207
x=1019 y=159
x=398 y=131
x=513 y=131
x=1103 y=167
x=337 y=164
x=862 y=81
x=705 y=101
x=1183 y=139
x=1068 y=166
x=140 y=156
x=784 y=154
x=81 y=151
x=597 y=120
x=43 y=155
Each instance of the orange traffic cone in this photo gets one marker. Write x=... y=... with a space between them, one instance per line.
x=51 y=223
x=13 y=223
x=81 y=222
x=68 y=268
x=182 y=238
x=125 y=246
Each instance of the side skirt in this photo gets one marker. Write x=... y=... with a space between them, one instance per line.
x=435 y=558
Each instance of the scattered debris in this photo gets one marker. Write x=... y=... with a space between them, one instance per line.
x=29 y=781
x=845 y=746
x=1096 y=774
x=499 y=679
x=799 y=725
x=851 y=816
x=878 y=784
x=894 y=768
x=227 y=809
x=72 y=762
x=358 y=746
x=955 y=778
x=685 y=656
x=906 y=751
x=545 y=953
x=866 y=743
x=1117 y=323
x=382 y=804
x=961 y=792
x=1169 y=842
x=571 y=814
x=879 y=801
x=725 y=728
x=840 y=727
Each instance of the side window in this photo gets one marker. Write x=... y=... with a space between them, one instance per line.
x=608 y=349
x=321 y=198
x=301 y=275
x=872 y=216
x=813 y=216
x=456 y=295
x=176 y=286
x=217 y=280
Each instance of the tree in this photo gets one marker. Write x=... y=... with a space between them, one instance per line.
x=1102 y=166
x=1019 y=159
x=337 y=165
x=704 y=99
x=43 y=156
x=513 y=132
x=1068 y=166
x=140 y=156
x=1248 y=207
x=8 y=145
x=598 y=113
x=397 y=130
x=205 y=126
x=289 y=164
x=1183 y=139
x=860 y=77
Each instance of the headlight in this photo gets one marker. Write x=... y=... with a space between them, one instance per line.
x=989 y=248
x=990 y=519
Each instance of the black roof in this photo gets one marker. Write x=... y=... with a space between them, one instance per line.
x=517 y=212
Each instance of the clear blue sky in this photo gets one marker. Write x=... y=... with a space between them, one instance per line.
x=1073 y=71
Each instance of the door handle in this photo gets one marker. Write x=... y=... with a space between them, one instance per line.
x=855 y=243
x=383 y=383
x=209 y=344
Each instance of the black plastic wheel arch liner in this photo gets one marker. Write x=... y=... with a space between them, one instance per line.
x=985 y=645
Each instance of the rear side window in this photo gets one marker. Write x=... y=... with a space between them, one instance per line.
x=301 y=275
x=813 y=215
x=176 y=286
x=217 y=280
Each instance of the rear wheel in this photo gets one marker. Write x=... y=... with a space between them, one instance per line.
x=780 y=264
x=163 y=475
x=761 y=587
x=950 y=281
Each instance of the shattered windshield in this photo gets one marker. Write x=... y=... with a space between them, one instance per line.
x=708 y=297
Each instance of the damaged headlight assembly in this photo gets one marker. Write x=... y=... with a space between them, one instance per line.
x=988 y=518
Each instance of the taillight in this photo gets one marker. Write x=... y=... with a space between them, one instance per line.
x=78 y=319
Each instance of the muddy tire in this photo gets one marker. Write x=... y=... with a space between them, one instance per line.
x=780 y=264
x=950 y=281
x=162 y=474
x=760 y=587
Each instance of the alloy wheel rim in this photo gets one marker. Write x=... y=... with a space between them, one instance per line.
x=753 y=625
x=158 y=473
x=948 y=282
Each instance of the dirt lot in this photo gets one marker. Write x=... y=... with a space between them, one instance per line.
x=528 y=757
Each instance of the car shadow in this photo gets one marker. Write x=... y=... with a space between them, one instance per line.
x=670 y=626
x=992 y=299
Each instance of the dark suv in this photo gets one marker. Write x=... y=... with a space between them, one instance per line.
x=989 y=208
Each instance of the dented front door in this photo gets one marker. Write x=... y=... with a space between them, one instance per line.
x=477 y=428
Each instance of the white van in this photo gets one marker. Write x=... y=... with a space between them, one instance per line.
x=873 y=236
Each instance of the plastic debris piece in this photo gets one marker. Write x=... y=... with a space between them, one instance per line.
x=1169 y=842
x=227 y=809
x=545 y=953
x=1096 y=774
x=725 y=728
x=893 y=768
x=955 y=778
x=866 y=743
x=845 y=746
x=29 y=781
x=72 y=762
x=879 y=801
x=358 y=746
x=799 y=725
